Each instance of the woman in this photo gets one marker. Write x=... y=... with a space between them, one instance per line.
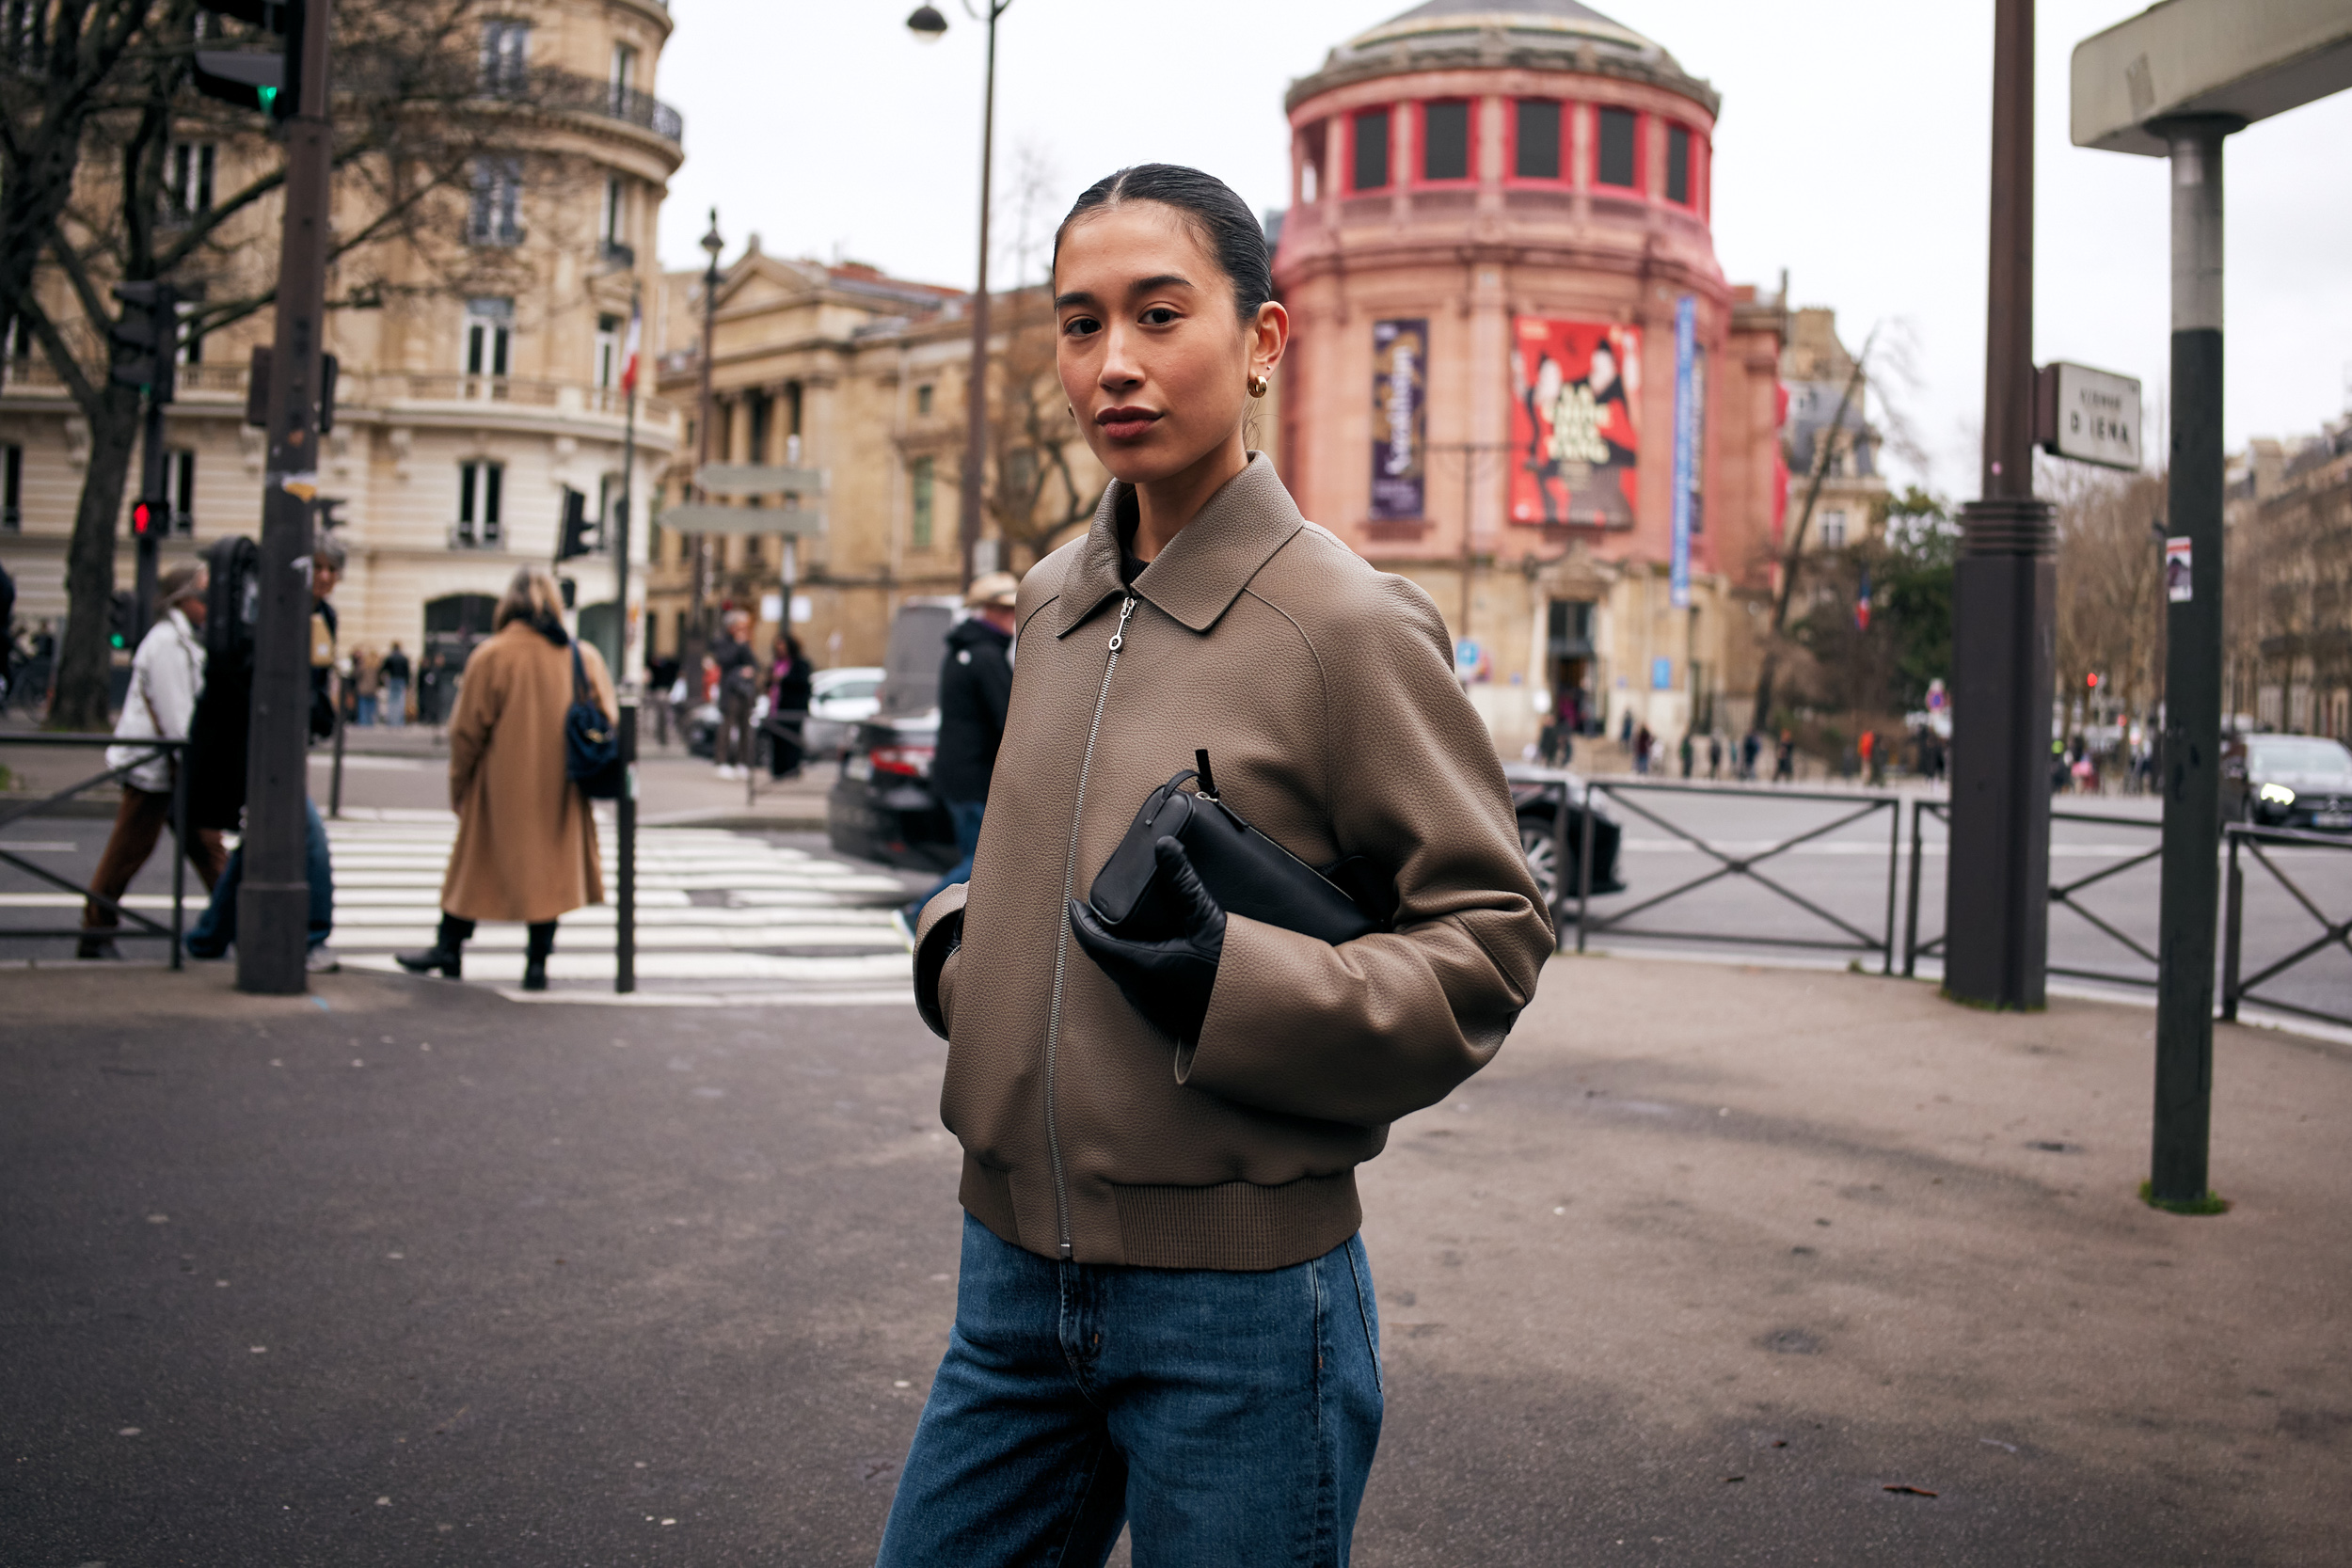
x=1164 y=1314
x=789 y=680
x=526 y=846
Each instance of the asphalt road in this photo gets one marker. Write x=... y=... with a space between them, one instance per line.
x=1845 y=875
x=404 y=1273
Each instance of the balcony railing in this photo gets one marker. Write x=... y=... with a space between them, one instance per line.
x=392 y=388
x=571 y=92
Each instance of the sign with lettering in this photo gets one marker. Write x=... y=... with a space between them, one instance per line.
x=1400 y=385
x=2091 y=416
x=1575 y=439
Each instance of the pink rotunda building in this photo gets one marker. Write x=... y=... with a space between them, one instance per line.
x=1518 y=375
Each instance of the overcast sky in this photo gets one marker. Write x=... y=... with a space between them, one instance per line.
x=1853 y=151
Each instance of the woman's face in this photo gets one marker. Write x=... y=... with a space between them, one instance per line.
x=1152 y=357
x=1604 y=371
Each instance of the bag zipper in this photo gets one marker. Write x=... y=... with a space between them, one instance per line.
x=1061 y=939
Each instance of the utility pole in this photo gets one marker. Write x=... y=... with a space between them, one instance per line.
x=692 y=654
x=2005 y=604
x=273 y=902
x=2172 y=82
x=624 y=678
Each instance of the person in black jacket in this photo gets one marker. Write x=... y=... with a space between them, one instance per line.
x=738 y=688
x=975 y=685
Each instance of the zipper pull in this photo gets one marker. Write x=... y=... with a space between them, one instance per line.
x=1119 y=638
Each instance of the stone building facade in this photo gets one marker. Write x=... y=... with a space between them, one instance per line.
x=1499 y=231
x=463 y=413
x=862 y=378
x=2287 y=584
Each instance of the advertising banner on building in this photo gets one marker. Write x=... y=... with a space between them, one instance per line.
x=1575 y=445
x=1400 y=384
x=1686 y=442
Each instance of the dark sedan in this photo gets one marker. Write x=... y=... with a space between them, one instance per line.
x=2287 y=781
x=883 y=806
x=1537 y=794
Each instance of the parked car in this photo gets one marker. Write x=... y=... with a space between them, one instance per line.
x=2287 y=781
x=1536 y=795
x=839 y=702
x=884 y=806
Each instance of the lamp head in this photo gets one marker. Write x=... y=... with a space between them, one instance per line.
x=926 y=23
x=711 y=243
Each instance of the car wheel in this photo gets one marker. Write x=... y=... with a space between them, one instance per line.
x=1543 y=858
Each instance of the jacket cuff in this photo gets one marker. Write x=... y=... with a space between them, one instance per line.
x=938 y=943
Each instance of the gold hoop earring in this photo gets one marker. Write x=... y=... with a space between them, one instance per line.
x=1258 y=385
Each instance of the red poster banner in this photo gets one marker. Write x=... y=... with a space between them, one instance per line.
x=1575 y=446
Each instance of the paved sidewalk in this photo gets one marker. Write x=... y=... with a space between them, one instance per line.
x=1705 y=1263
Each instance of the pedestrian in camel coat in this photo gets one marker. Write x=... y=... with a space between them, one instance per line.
x=526 y=845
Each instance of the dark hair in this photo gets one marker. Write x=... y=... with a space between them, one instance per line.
x=1220 y=216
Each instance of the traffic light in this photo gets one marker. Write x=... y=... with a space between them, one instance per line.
x=251 y=80
x=258 y=389
x=574 y=540
x=145 y=342
x=122 y=611
x=150 y=518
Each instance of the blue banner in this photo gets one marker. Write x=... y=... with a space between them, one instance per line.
x=1686 y=443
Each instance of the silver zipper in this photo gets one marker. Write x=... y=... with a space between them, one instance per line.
x=1062 y=941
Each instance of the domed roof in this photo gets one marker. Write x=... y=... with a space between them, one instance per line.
x=1558 y=34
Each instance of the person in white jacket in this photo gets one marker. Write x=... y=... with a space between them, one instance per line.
x=166 y=676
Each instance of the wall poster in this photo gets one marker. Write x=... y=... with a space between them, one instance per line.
x=1575 y=444
x=1400 y=417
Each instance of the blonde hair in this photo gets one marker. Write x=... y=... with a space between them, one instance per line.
x=533 y=597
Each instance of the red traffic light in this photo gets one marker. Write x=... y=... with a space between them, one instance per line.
x=142 y=518
x=2092 y=680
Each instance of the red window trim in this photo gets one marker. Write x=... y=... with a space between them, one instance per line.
x=1419 y=120
x=1641 y=151
x=1348 y=174
x=1697 y=203
x=1511 y=175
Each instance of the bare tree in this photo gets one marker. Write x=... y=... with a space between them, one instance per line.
x=1037 y=452
x=415 y=119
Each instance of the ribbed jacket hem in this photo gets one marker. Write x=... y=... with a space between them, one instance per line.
x=1236 y=1225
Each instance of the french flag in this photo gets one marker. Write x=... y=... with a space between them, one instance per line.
x=628 y=349
x=1862 y=603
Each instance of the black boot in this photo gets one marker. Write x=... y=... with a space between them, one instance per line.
x=446 y=954
x=542 y=936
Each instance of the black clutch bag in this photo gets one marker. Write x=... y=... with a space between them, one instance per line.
x=1243 y=869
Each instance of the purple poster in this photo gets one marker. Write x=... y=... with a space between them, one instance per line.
x=1400 y=381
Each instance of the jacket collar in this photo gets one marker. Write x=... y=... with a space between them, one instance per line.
x=1199 y=575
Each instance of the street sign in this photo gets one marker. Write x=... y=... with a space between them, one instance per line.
x=2091 y=416
x=1467 y=654
x=1662 y=674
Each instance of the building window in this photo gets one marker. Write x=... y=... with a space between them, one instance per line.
x=1537 y=155
x=1445 y=140
x=1833 y=530
x=180 y=491
x=489 y=327
x=763 y=411
x=921 y=485
x=495 y=215
x=191 y=175
x=477 y=489
x=624 y=73
x=613 y=225
x=608 y=350
x=505 y=53
x=1615 y=163
x=188 y=347
x=1312 y=143
x=1678 y=163
x=923 y=400
x=11 y=487
x=1370 y=162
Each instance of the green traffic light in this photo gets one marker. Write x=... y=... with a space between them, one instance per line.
x=268 y=97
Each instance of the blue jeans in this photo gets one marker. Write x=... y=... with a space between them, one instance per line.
x=1229 y=1419
x=966 y=816
x=216 y=927
x=395 y=703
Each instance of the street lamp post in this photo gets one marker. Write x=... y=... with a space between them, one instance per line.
x=712 y=244
x=928 y=24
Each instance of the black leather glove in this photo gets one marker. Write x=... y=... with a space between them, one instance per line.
x=940 y=943
x=1168 y=982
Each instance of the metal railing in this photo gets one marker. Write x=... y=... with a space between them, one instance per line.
x=2333 y=933
x=2062 y=894
x=1853 y=937
x=148 y=751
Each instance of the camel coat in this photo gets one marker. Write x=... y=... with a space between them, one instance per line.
x=526 y=846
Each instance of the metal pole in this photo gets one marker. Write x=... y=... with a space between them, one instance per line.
x=273 y=902
x=1910 y=915
x=335 y=781
x=976 y=380
x=625 y=676
x=1997 y=883
x=2192 y=674
x=1894 y=877
x=2235 y=892
x=701 y=573
x=178 y=848
x=150 y=486
x=1584 y=864
x=625 y=823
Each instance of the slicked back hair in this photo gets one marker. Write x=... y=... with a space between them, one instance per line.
x=1216 y=214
